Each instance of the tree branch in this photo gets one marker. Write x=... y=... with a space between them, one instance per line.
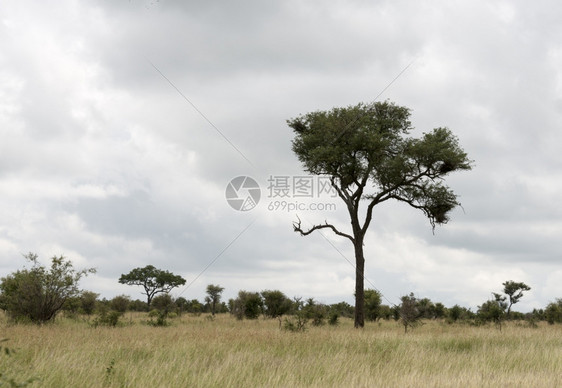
x=297 y=228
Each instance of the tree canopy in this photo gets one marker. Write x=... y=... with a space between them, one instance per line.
x=153 y=280
x=368 y=156
x=38 y=293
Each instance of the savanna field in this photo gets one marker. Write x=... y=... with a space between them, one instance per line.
x=195 y=351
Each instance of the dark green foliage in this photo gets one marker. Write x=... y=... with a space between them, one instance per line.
x=153 y=280
x=333 y=318
x=385 y=312
x=457 y=313
x=514 y=291
x=163 y=303
x=367 y=154
x=315 y=312
x=107 y=317
x=88 y=301
x=493 y=310
x=120 y=303
x=248 y=305
x=426 y=308
x=343 y=309
x=275 y=303
x=213 y=296
x=137 y=305
x=373 y=302
x=409 y=312
x=553 y=312
x=38 y=293
x=296 y=323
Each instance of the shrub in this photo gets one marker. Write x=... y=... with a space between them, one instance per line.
x=37 y=294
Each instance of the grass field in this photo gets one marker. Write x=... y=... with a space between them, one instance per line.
x=198 y=352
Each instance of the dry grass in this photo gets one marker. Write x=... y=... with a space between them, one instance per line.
x=197 y=352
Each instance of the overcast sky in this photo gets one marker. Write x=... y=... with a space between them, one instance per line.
x=122 y=123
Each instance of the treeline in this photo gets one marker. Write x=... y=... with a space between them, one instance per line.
x=275 y=304
x=38 y=293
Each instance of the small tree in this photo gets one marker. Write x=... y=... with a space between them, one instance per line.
x=88 y=301
x=120 y=303
x=38 y=293
x=553 y=312
x=153 y=280
x=493 y=310
x=213 y=296
x=373 y=302
x=247 y=305
x=514 y=291
x=276 y=304
x=409 y=313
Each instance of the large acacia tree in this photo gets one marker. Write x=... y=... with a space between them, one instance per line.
x=369 y=157
x=153 y=280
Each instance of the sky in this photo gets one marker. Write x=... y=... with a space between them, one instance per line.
x=122 y=124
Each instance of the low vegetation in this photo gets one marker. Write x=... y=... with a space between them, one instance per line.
x=225 y=351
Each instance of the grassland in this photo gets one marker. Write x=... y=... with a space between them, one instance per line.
x=198 y=352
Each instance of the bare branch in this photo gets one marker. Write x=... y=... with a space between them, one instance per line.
x=297 y=228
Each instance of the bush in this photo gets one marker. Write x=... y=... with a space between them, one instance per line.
x=38 y=294
x=296 y=323
x=247 y=305
x=120 y=303
x=553 y=312
x=107 y=318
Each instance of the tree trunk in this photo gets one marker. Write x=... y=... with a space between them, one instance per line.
x=359 y=285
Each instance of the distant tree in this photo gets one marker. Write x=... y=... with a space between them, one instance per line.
x=137 y=305
x=493 y=310
x=514 y=291
x=455 y=313
x=409 y=313
x=181 y=304
x=385 y=311
x=276 y=304
x=440 y=310
x=213 y=296
x=553 y=312
x=38 y=293
x=120 y=303
x=373 y=302
x=316 y=312
x=426 y=308
x=343 y=309
x=153 y=280
x=368 y=156
x=247 y=305
x=163 y=303
x=88 y=301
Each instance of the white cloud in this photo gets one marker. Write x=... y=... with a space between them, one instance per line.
x=102 y=160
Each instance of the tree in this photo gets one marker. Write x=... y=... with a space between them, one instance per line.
x=493 y=310
x=409 y=313
x=214 y=296
x=88 y=301
x=247 y=305
x=276 y=304
x=553 y=312
x=153 y=280
x=367 y=156
x=120 y=303
x=373 y=302
x=38 y=293
x=514 y=291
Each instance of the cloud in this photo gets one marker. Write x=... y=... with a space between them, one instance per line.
x=105 y=161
